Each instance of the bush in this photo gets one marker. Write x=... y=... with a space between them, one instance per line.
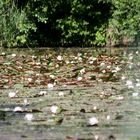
x=124 y=25
x=14 y=25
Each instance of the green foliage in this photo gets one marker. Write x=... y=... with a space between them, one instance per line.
x=14 y=25
x=68 y=23
x=124 y=25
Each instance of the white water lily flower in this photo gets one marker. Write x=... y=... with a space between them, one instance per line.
x=12 y=94
x=102 y=64
x=129 y=83
x=137 y=84
x=117 y=68
x=34 y=57
x=52 y=76
x=72 y=62
x=93 y=121
x=130 y=57
x=103 y=71
x=108 y=117
x=79 y=78
x=123 y=77
x=42 y=92
x=61 y=93
x=130 y=66
x=96 y=137
x=18 y=109
x=80 y=59
x=135 y=94
x=29 y=79
x=3 y=53
x=54 y=109
x=93 y=58
x=137 y=52
x=108 y=67
x=25 y=102
x=20 y=67
x=91 y=62
x=29 y=117
x=95 y=108
x=13 y=55
x=50 y=86
x=38 y=63
x=37 y=74
x=59 y=57
x=57 y=65
x=67 y=62
x=120 y=98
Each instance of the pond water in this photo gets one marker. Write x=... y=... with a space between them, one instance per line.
x=84 y=84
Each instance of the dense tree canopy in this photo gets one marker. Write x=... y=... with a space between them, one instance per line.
x=68 y=23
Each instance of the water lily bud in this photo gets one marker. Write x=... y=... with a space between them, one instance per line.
x=12 y=94
x=93 y=121
x=29 y=117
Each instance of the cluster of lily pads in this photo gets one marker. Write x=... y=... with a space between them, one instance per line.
x=51 y=68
